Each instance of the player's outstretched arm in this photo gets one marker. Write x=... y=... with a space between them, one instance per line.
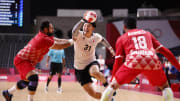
x=169 y=55
x=106 y=44
x=64 y=43
x=166 y=52
x=59 y=40
x=76 y=29
x=117 y=64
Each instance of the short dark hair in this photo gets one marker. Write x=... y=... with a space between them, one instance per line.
x=93 y=24
x=130 y=22
x=44 y=24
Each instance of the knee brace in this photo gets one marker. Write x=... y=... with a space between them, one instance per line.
x=33 y=82
x=22 y=84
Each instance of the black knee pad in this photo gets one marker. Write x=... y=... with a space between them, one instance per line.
x=33 y=77
x=22 y=84
x=33 y=82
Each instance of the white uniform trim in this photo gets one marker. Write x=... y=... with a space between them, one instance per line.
x=159 y=47
x=119 y=56
x=53 y=44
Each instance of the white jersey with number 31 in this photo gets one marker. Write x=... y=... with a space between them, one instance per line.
x=84 y=49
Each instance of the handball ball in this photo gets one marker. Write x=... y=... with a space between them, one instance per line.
x=90 y=16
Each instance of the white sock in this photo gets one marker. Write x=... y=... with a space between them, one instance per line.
x=168 y=94
x=107 y=94
x=12 y=89
x=30 y=97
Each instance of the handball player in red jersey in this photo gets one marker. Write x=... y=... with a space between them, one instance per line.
x=30 y=55
x=138 y=49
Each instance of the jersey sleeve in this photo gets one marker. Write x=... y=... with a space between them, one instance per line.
x=119 y=48
x=48 y=41
x=119 y=56
x=169 y=55
x=156 y=43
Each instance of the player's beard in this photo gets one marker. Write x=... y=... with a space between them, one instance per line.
x=50 y=34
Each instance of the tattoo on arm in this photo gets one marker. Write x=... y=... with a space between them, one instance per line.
x=76 y=28
x=106 y=44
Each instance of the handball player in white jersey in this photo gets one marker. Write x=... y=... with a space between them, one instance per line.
x=85 y=63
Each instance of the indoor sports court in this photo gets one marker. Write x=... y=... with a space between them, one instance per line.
x=21 y=21
x=73 y=92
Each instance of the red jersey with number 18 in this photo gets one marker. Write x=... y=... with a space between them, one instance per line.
x=139 y=48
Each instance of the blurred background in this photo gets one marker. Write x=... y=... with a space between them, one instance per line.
x=20 y=21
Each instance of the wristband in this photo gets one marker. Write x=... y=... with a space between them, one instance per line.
x=84 y=20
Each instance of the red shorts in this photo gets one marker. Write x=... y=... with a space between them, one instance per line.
x=23 y=67
x=126 y=75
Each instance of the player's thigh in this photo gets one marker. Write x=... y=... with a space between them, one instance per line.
x=156 y=77
x=60 y=68
x=24 y=68
x=126 y=75
x=93 y=70
x=83 y=76
x=53 y=69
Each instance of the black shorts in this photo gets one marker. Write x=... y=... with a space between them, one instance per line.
x=83 y=76
x=55 y=68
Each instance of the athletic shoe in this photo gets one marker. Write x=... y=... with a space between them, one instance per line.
x=112 y=99
x=106 y=97
x=46 y=89
x=59 y=90
x=7 y=95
